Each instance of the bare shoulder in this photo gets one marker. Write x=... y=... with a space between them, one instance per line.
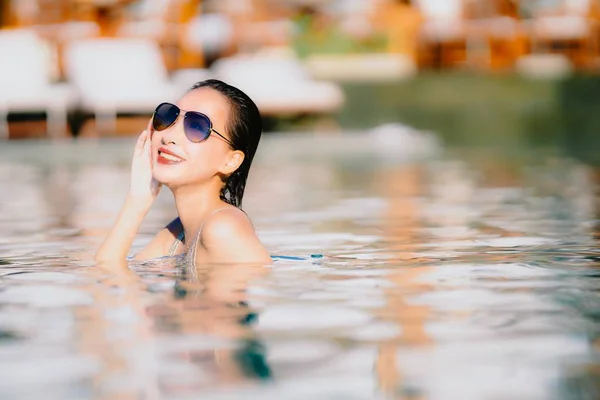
x=226 y=223
x=229 y=236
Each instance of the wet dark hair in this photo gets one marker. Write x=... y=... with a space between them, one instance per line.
x=244 y=129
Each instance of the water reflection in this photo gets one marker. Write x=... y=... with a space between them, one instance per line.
x=195 y=332
x=402 y=186
x=470 y=274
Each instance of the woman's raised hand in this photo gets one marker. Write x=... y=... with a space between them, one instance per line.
x=143 y=187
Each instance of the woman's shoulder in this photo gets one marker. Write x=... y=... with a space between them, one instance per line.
x=227 y=223
x=229 y=236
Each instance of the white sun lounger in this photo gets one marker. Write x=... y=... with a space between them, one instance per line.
x=279 y=84
x=25 y=82
x=443 y=19
x=115 y=76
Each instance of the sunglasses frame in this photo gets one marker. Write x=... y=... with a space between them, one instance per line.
x=183 y=113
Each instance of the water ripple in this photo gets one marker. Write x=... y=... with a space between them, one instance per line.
x=467 y=275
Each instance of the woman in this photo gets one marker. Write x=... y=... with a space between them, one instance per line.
x=201 y=149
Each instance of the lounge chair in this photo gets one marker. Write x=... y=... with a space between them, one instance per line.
x=496 y=30
x=116 y=76
x=279 y=84
x=25 y=82
x=443 y=36
x=569 y=30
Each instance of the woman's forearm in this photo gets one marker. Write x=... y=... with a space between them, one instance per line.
x=121 y=236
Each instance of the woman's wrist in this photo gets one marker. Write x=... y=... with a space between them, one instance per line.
x=119 y=239
x=138 y=204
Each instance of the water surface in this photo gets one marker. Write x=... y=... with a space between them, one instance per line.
x=447 y=274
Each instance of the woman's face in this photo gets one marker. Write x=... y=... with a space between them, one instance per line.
x=202 y=161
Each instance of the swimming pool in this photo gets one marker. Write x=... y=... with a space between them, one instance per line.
x=446 y=273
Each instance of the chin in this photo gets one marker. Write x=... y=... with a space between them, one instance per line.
x=166 y=178
x=171 y=179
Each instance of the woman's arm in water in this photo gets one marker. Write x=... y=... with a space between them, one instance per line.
x=142 y=192
x=121 y=235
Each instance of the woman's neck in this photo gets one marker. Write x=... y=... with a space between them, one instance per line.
x=193 y=206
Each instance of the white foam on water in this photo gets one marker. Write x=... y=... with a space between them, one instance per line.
x=517 y=241
x=359 y=272
x=176 y=343
x=368 y=256
x=360 y=283
x=172 y=371
x=462 y=274
x=373 y=300
x=123 y=314
x=300 y=351
x=45 y=370
x=376 y=331
x=53 y=277
x=322 y=295
x=298 y=317
x=478 y=299
x=511 y=242
x=500 y=368
x=45 y=296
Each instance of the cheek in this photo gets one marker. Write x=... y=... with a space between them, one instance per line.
x=205 y=159
x=155 y=144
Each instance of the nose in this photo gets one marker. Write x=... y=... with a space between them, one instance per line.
x=172 y=133
x=165 y=142
x=167 y=136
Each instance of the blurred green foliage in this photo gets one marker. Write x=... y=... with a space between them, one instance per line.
x=472 y=109
x=315 y=36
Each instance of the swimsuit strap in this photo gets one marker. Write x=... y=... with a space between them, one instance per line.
x=175 y=245
x=194 y=244
x=181 y=237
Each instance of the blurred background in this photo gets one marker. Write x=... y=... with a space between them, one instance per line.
x=441 y=155
x=474 y=70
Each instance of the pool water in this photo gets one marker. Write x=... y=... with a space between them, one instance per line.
x=446 y=273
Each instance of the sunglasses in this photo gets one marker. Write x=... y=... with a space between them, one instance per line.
x=196 y=126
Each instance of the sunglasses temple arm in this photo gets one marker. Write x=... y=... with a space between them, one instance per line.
x=224 y=138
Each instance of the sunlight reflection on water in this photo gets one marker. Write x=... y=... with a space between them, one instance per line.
x=446 y=274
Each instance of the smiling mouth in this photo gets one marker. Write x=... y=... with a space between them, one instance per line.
x=166 y=158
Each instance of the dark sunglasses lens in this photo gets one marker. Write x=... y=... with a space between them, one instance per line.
x=164 y=116
x=196 y=127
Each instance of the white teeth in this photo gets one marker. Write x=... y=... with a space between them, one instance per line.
x=170 y=157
